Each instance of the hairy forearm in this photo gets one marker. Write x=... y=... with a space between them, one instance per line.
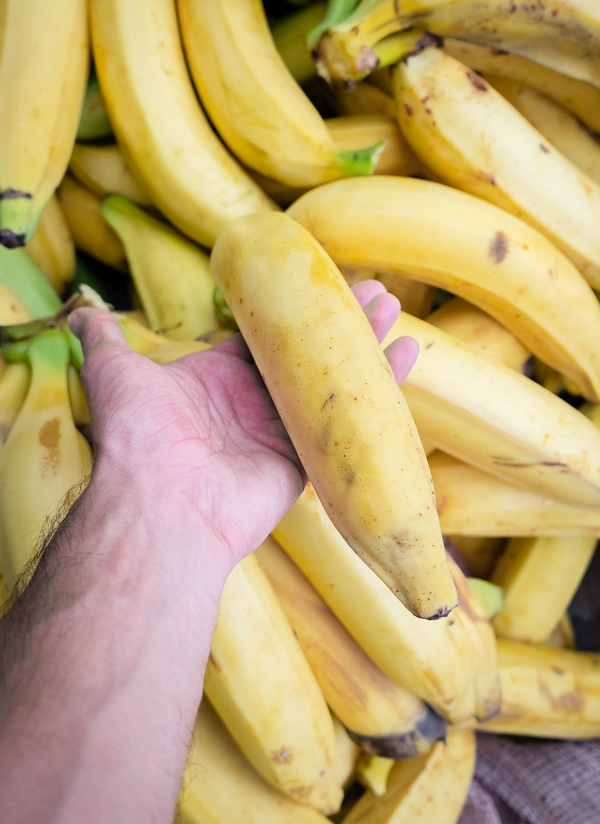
x=102 y=662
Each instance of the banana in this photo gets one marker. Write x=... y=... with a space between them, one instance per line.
x=171 y=274
x=580 y=98
x=220 y=787
x=539 y=576
x=481 y=253
x=43 y=457
x=373 y=771
x=43 y=73
x=479 y=330
x=90 y=231
x=563 y=635
x=383 y=717
x=562 y=129
x=94 y=122
x=429 y=659
x=478 y=553
x=347 y=753
x=260 y=684
x=102 y=170
x=289 y=36
x=77 y=399
x=256 y=105
x=52 y=248
x=161 y=129
x=415 y=297
x=430 y=788
x=337 y=395
x=28 y=285
x=12 y=309
x=475 y=140
x=546 y=692
x=471 y=502
x=14 y=381
x=363 y=99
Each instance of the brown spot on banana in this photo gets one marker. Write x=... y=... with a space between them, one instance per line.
x=498 y=247
x=50 y=434
x=476 y=81
x=282 y=756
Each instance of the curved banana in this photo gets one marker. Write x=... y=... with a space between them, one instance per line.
x=171 y=274
x=477 y=552
x=52 y=248
x=432 y=660
x=481 y=253
x=495 y=418
x=14 y=381
x=363 y=99
x=93 y=121
x=383 y=717
x=43 y=73
x=255 y=665
x=337 y=395
x=471 y=502
x=257 y=107
x=12 y=309
x=102 y=170
x=23 y=278
x=220 y=787
x=160 y=127
x=539 y=577
x=475 y=140
x=547 y=693
x=289 y=36
x=360 y=131
x=347 y=753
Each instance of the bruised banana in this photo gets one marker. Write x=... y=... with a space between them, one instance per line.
x=384 y=718
x=547 y=693
x=473 y=503
x=426 y=658
x=336 y=395
x=257 y=107
x=43 y=73
x=52 y=248
x=495 y=418
x=539 y=577
x=255 y=664
x=430 y=788
x=482 y=254
x=160 y=127
x=102 y=170
x=220 y=787
x=470 y=136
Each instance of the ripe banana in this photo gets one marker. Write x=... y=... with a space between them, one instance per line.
x=256 y=105
x=539 y=577
x=52 y=248
x=77 y=399
x=347 y=753
x=14 y=381
x=360 y=131
x=478 y=553
x=289 y=36
x=90 y=231
x=430 y=788
x=12 y=309
x=547 y=693
x=43 y=458
x=475 y=140
x=363 y=99
x=336 y=395
x=373 y=771
x=170 y=272
x=43 y=72
x=383 y=717
x=93 y=121
x=481 y=253
x=177 y=349
x=580 y=98
x=102 y=170
x=471 y=502
x=23 y=278
x=260 y=684
x=429 y=659
x=220 y=787
x=160 y=127
x=480 y=331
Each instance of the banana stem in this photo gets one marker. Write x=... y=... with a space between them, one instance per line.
x=337 y=12
x=359 y=162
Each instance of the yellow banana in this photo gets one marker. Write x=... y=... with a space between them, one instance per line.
x=430 y=788
x=220 y=786
x=471 y=502
x=383 y=717
x=260 y=684
x=171 y=274
x=102 y=170
x=257 y=107
x=373 y=771
x=479 y=330
x=43 y=74
x=43 y=458
x=52 y=248
x=475 y=140
x=185 y=170
x=90 y=231
x=547 y=693
x=347 y=753
x=337 y=395
x=363 y=99
x=479 y=553
x=563 y=635
x=481 y=253
x=539 y=577
x=14 y=381
x=579 y=97
x=12 y=309
x=429 y=659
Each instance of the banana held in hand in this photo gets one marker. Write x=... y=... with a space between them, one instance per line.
x=339 y=401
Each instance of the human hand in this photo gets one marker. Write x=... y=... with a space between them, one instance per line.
x=200 y=437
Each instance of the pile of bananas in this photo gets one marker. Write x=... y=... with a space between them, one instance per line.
x=480 y=125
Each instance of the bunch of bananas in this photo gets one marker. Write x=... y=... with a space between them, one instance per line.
x=481 y=129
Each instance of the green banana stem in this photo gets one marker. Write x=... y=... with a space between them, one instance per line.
x=289 y=36
x=48 y=354
x=94 y=122
x=21 y=275
x=358 y=162
x=337 y=12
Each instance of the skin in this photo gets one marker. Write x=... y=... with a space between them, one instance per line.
x=102 y=657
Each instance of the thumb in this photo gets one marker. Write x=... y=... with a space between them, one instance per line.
x=97 y=330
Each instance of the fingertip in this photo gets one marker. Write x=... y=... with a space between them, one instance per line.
x=96 y=328
x=402 y=354
x=366 y=290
